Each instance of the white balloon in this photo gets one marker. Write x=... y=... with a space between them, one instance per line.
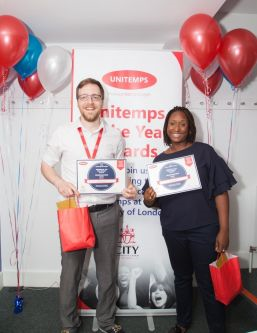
x=54 y=68
x=209 y=71
x=11 y=76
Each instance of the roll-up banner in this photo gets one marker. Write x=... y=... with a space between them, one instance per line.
x=141 y=87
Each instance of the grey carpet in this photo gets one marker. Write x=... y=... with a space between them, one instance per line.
x=40 y=313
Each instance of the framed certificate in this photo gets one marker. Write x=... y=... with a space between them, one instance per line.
x=101 y=176
x=174 y=176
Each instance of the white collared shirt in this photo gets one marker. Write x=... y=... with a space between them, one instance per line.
x=65 y=146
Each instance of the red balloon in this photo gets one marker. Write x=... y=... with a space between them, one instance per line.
x=3 y=75
x=207 y=86
x=14 y=39
x=200 y=38
x=31 y=86
x=238 y=55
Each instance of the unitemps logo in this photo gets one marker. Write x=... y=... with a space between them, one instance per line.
x=129 y=79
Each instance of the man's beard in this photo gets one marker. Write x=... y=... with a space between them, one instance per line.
x=90 y=118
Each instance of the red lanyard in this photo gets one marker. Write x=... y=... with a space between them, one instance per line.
x=85 y=144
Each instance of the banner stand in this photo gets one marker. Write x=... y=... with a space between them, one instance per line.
x=150 y=323
x=138 y=96
x=95 y=325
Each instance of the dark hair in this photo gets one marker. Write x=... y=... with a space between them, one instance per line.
x=191 y=124
x=170 y=296
x=89 y=80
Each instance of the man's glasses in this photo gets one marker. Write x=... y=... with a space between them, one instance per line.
x=93 y=97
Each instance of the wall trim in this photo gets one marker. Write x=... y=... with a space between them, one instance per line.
x=244 y=258
x=1 y=280
x=44 y=279
x=50 y=279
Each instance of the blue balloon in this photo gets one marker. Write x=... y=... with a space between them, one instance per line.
x=28 y=64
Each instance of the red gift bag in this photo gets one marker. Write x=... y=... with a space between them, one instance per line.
x=226 y=277
x=76 y=230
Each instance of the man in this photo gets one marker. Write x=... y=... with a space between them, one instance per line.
x=89 y=137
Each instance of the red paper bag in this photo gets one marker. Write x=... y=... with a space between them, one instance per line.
x=76 y=230
x=226 y=277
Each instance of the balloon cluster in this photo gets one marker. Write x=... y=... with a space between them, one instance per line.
x=39 y=69
x=213 y=56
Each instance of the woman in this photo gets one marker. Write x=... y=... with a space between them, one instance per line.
x=195 y=223
x=161 y=296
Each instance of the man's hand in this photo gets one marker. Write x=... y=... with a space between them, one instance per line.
x=130 y=192
x=66 y=189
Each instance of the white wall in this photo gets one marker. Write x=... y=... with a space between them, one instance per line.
x=243 y=157
x=41 y=256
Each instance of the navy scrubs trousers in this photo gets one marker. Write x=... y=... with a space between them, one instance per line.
x=191 y=251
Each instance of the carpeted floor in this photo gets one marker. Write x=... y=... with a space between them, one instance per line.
x=40 y=313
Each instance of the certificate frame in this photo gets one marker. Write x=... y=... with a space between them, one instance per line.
x=173 y=176
x=101 y=176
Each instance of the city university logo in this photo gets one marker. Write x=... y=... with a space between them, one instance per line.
x=127 y=245
x=127 y=236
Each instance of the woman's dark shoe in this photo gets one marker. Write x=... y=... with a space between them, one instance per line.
x=177 y=329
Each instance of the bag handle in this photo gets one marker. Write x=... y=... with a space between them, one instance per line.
x=71 y=198
x=221 y=259
x=76 y=200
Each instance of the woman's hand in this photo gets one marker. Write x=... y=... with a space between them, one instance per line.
x=136 y=272
x=222 y=241
x=149 y=197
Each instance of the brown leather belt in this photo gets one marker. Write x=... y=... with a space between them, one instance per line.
x=98 y=208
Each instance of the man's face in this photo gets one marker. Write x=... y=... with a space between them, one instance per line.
x=90 y=102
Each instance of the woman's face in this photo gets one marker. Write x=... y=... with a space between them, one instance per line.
x=178 y=127
x=123 y=276
x=159 y=297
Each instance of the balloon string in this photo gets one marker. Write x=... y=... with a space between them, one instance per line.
x=188 y=98
x=5 y=188
x=19 y=207
x=35 y=186
x=232 y=123
x=3 y=102
x=208 y=108
x=14 y=182
x=19 y=204
x=7 y=178
x=25 y=158
x=209 y=120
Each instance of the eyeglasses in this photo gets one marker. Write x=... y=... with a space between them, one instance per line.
x=93 y=97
